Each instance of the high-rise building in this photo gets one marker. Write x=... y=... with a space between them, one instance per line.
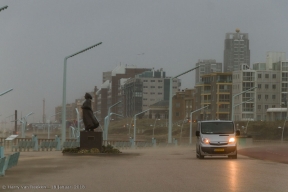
x=236 y=51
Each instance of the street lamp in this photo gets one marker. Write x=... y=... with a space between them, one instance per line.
x=2 y=8
x=283 y=129
x=107 y=121
x=97 y=119
x=232 y=111
x=63 y=131
x=134 y=143
x=23 y=121
x=5 y=92
x=170 y=103
x=50 y=124
x=190 y=136
x=154 y=127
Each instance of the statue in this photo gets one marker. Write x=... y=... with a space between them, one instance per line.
x=89 y=120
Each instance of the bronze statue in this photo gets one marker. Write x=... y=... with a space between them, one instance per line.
x=89 y=120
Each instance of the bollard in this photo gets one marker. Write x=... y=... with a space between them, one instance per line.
x=1 y=152
x=131 y=140
x=175 y=141
x=57 y=139
x=154 y=142
x=35 y=139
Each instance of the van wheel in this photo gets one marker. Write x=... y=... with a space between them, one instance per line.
x=199 y=155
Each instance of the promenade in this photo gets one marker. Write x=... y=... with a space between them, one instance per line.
x=51 y=170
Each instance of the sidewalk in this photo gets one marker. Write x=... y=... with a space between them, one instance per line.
x=275 y=153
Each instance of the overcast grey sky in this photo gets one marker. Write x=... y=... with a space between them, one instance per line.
x=36 y=36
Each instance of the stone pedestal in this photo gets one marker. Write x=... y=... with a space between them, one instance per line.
x=90 y=140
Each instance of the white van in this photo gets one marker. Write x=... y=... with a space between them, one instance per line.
x=216 y=138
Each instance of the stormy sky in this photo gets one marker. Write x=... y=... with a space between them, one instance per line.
x=36 y=36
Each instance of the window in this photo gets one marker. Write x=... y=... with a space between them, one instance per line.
x=266 y=96
x=159 y=93
x=266 y=76
x=177 y=104
x=259 y=76
x=160 y=81
x=266 y=86
x=152 y=86
x=273 y=96
x=259 y=96
x=152 y=93
x=145 y=80
x=259 y=107
x=159 y=87
x=273 y=106
x=224 y=98
x=274 y=86
x=259 y=86
x=152 y=81
x=177 y=114
x=274 y=76
x=266 y=106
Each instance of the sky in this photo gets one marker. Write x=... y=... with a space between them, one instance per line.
x=36 y=36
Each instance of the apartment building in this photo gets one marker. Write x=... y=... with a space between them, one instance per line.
x=110 y=91
x=206 y=66
x=146 y=89
x=70 y=112
x=214 y=91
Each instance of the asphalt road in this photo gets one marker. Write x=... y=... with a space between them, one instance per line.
x=161 y=169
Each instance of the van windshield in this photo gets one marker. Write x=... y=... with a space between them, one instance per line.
x=217 y=128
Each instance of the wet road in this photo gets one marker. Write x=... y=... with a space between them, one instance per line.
x=162 y=169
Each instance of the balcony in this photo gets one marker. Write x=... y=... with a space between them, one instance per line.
x=248 y=109
x=224 y=81
x=224 y=90
x=224 y=110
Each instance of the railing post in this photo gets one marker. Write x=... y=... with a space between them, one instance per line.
x=57 y=139
x=34 y=138
x=154 y=142
x=1 y=151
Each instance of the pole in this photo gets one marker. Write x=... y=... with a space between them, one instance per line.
x=15 y=122
x=232 y=111
x=190 y=135
x=170 y=103
x=63 y=130
x=134 y=138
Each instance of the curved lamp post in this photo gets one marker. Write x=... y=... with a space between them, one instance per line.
x=50 y=124
x=2 y=8
x=190 y=135
x=106 y=123
x=63 y=130
x=154 y=127
x=170 y=103
x=134 y=143
x=23 y=121
x=232 y=101
x=5 y=92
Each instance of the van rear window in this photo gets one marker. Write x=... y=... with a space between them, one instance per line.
x=217 y=128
